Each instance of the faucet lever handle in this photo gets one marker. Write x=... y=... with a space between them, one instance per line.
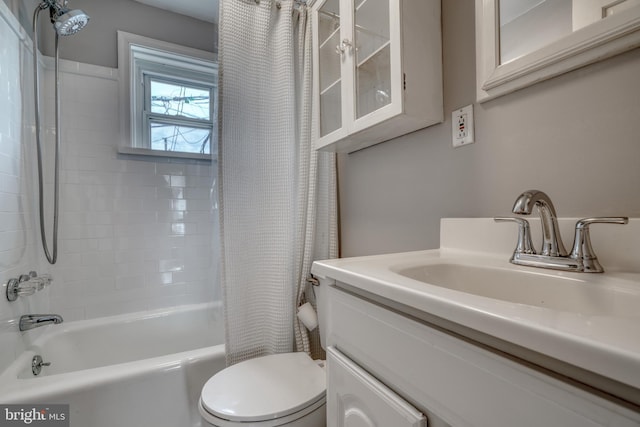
x=582 y=249
x=524 y=245
x=586 y=222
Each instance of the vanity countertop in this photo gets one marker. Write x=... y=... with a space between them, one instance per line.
x=603 y=338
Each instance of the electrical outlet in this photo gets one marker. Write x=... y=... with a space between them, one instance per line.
x=462 y=126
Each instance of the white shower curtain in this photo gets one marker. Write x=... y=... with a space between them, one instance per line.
x=277 y=195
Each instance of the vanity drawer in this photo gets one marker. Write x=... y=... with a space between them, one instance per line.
x=461 y=383
x=355 y=398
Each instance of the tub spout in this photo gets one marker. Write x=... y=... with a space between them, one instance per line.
x=31 y=321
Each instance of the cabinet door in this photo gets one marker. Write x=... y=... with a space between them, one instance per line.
x=330 y=51
x=356 y=399
x=375 y=61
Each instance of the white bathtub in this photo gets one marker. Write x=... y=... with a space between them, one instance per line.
x=141 y=369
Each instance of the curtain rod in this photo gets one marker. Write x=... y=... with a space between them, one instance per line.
x=296 y=3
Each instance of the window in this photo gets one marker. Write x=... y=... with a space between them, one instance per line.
x=171 y=92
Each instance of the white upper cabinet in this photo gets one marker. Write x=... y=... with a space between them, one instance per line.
x=377 y=70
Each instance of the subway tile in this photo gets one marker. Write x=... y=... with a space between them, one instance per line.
x=178 y=228
x=128 y=218
x=94 y=259
x=179 y=205
x=128 y=205
x=130 y=231
x=157 y=229
x=171 y=193
x=202 y=169
x=124 y=243
x=130 y=282
x=198 y=181
x=140 y=166
x=170 y=216
x=158 y=279
x=166 y=179
x=78 y=245
x=197 y=193
x=14 y=258
x=11 y=221
x=199 y=205
x=157 y=205
x=105 y=244
x=171 y=169
x=124 y=256
x=129 y=228
x=178 y=181
x=137 y=192
x=10 y=240
x=171 y=265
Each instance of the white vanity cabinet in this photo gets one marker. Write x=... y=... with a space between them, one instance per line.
x=377 y=70
x=452 y=380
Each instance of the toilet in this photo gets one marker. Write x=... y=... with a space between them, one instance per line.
x=276 y=390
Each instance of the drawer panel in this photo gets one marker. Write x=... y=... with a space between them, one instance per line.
x=355 y=398
x=461 y=383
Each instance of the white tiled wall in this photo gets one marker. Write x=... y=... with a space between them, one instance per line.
x=18 y=241
x=135 y=233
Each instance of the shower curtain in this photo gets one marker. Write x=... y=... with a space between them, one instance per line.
x=277 y=195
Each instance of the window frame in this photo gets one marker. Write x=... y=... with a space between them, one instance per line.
x=142 y=59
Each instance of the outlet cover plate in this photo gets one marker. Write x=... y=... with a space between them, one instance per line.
x=462 y=131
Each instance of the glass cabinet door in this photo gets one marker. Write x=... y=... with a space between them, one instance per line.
x=372 y=56
x=377 y=70
x=329 y=63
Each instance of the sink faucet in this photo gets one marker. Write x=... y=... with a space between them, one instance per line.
x=31 y=321
x=551 y=240
x=553 y=254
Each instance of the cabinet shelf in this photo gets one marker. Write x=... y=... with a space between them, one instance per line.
x=329 y=87
x=362 y=4
x=373 y=54
x=333 y=33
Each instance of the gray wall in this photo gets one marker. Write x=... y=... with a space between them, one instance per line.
x=575 y=137
x=97 y=43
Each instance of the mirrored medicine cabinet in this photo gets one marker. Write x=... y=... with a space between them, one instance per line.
x=522 y=42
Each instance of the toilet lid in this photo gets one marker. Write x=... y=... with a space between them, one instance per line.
x=264 y=388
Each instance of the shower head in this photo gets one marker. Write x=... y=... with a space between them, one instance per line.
x=68 y=22
x=65 y=21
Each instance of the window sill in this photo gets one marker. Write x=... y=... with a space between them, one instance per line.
x=170 y=154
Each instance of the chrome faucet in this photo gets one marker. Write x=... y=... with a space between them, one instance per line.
x=553 y=254
x=31 y=321
x=551 y=240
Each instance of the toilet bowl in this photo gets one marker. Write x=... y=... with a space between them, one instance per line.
x=280 y=389
x=276 y=390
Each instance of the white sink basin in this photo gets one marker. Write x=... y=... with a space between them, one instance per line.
x=586 y=320
x=607 y=297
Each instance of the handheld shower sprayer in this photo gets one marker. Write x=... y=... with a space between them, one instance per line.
x=66 y=22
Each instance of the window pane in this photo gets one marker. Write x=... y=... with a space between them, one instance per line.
x=185 y=139
x=174 y=99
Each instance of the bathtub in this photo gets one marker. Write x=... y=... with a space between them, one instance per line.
x=141 y=369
